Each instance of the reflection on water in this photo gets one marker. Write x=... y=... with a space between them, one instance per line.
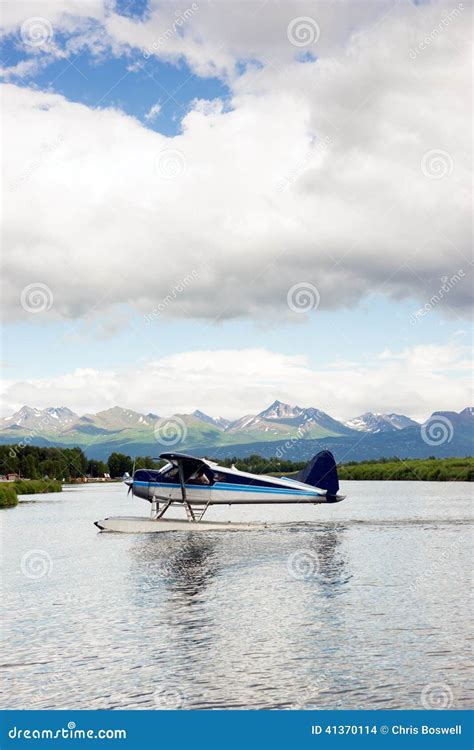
x=332 y=564
x=184 y=562
x=357 y=605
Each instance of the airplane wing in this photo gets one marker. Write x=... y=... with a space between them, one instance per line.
x=190 y=463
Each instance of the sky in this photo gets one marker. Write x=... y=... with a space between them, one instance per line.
x=215 y=205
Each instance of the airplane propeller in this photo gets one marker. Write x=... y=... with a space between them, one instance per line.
x=130 y=486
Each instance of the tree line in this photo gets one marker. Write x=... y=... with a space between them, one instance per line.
x=37 y=462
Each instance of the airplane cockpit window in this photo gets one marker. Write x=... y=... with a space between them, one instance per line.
x=191 y=474
x=141 y=476
x=203 y=475
x=171 y=475
x=145 y=475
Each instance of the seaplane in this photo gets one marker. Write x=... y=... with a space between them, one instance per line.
x=196 y=484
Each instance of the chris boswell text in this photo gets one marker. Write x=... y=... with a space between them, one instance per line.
x=395 y=729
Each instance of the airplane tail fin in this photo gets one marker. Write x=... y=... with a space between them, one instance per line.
x=321 y=472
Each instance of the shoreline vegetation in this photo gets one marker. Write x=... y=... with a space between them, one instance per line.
x=399 y=470
x=9 y=491
x=65 y=464
x=421 y=470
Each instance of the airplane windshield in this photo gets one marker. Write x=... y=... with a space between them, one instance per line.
x=191 y=475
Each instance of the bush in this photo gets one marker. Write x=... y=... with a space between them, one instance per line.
x=36 y=486
x=431 y=469
x=8 y=496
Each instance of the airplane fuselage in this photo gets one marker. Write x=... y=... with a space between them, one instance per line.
x=222 y=486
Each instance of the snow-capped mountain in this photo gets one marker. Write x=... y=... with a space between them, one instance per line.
x=113 y=419
x=279 y=410
x=274 y=420
x=219 y=422
x=248 y=421
x=375 y=422
x=280 y=418
x=316 y=417
x=51 y=419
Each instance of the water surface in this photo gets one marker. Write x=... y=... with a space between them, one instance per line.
x=364 y=604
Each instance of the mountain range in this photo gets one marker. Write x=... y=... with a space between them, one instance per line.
x=289 y=431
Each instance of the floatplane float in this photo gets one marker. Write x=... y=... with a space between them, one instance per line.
x=196 y=484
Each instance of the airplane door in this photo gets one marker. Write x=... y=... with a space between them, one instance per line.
x=170 y=487
x=197 y=492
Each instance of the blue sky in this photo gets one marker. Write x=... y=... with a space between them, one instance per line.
x=129 y=82
x=233 y=106
x=325 y=337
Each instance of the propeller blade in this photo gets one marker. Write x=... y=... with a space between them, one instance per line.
x=130 y=486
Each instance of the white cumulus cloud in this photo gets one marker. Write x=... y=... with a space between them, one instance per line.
x=348 y=172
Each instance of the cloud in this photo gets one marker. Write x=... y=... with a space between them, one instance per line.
x=214 y=39
x=22 y=69
x=347 y=172
x=153 y=112
x=64 y=15
x=200 y=379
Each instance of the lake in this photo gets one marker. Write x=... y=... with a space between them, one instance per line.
x=363 y=604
